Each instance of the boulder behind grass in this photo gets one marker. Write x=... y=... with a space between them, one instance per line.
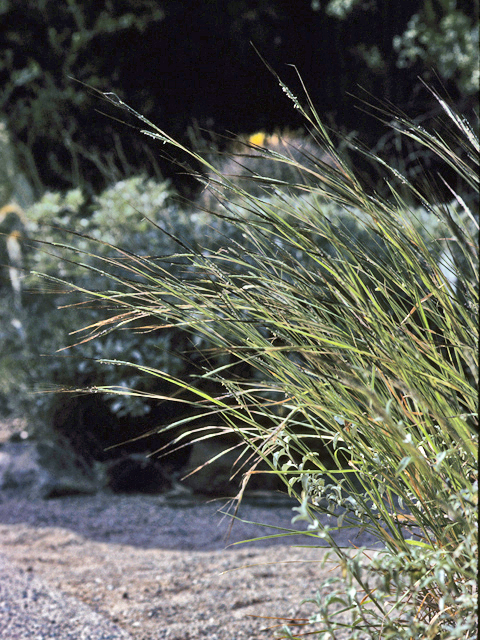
x=45 y=470
x=222 y=476
x=253 y=165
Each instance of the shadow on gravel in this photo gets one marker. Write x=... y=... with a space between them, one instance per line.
x=167 y=522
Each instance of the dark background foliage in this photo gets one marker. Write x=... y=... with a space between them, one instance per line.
x=184 y=61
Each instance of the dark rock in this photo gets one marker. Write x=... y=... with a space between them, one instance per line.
x=96 y=434
x=136 y=473
x=223 y=476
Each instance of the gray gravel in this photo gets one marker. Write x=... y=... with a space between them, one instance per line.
x=169 y=521
x=31 y=610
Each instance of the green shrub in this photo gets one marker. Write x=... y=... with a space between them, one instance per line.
x=366 y=346
x=443 y=35
x=446 y=38
x=111 y=217
x=31 y=336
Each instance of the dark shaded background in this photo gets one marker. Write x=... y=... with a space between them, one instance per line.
x=185 y=62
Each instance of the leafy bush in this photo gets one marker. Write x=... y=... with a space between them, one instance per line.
x=368 y=348
x=448 y=40
x=444 y=35
x=29 y=360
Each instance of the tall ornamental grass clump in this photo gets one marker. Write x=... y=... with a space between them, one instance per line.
x=366 y=348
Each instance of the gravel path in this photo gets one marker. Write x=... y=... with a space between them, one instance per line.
x=31 y=610
x=150 y=568
x=167 y=521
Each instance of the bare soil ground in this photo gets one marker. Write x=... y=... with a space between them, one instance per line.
x=179 y=595
x=137 y=567
x=152 y=583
